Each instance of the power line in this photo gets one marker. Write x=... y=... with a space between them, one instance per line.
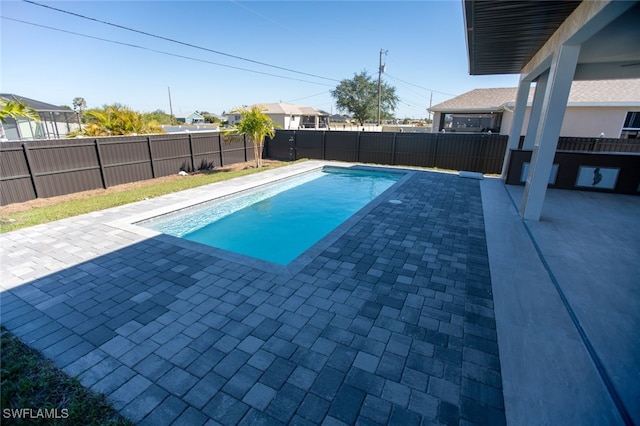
x=178 y=42
x=162 y=52
x=258 y=14
x=310 y=96
x=420 y=87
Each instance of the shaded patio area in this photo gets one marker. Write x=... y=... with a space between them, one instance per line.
x=567 y=305
x=389 y=320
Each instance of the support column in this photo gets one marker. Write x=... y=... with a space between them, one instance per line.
x=563 y=67
x=536 y=111
x=516 y=126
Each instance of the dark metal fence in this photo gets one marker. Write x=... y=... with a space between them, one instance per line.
x=474 y=152
x=567 y=143
x=40 y=169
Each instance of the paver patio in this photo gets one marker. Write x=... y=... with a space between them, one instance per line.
x=388 y=321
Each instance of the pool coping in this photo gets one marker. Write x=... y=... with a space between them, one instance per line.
x=223 y=189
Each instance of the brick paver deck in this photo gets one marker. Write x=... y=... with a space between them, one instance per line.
x=390 y=322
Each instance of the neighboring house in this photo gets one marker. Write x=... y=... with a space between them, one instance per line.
x=55 y=121
x=338 y=118
x=193 y=118
x=608 y=108
x=290 y=116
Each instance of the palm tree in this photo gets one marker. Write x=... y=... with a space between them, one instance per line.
x=117 y=119
x=15 y=109
x=255 y=125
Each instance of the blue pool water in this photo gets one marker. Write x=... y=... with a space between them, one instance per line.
x=280 y=221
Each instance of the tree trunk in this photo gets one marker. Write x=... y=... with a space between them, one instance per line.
x=255 y=153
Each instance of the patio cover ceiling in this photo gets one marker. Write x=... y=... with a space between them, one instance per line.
x=504 y=36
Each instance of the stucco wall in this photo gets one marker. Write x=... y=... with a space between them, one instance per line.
x=591 y=122
x=586 y=122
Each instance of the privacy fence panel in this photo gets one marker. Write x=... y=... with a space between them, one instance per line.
x=234 y=150
x=207 y=150
x=309 y=144
x=341 y=146
x=278 y=147
x=493 y=151
x=170 y=153
x=416 y=149
x=15 y=176
x=126 y=159
x=376 y=147
x=61 y=167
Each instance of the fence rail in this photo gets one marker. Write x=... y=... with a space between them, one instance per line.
x=40 y=169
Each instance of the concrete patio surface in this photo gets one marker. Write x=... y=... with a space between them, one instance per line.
x=389 y=320
x=567 y=305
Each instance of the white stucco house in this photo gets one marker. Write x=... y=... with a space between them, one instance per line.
x=290 y=116
x=609 y=108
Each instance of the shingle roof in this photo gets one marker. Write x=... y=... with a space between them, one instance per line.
x=583 y=93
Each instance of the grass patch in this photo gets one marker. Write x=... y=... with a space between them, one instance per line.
x=39 y=215
x=31 y=381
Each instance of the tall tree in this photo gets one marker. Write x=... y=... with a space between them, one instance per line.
x=359 y=96
x=15 y=109
x=255 y=125
x=80 y=104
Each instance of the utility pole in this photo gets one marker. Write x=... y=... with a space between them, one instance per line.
x=170 y=106
x=380 y=71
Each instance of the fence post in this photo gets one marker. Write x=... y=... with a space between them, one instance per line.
x=220 y=149
x=193 y=161
x=292 y=147
x=324 y=145
x=33 y=178
x=393 y=149
x=244 y=142
x=358 y=147
x=153 y=166
x=99 y=157
x=435 y=151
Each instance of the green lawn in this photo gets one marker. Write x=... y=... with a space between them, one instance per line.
x=30 y=381
x=66 y=209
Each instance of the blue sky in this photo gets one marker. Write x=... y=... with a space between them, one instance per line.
x=332 y=40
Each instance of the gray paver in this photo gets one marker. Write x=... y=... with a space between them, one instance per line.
x=389 y=322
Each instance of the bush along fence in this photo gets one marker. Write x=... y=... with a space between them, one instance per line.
x=41 y=169
x=473 y=152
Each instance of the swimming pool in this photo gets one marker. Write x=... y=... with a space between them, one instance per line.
x=279 y=221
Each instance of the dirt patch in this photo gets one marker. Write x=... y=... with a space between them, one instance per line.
x=43 y=202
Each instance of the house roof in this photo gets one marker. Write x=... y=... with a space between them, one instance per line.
x=583 y=93
x=195 y=113
x=38 y=106
x=290 y=109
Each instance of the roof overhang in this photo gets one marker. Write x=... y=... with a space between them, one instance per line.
x=468 y=110
x=519 y=37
